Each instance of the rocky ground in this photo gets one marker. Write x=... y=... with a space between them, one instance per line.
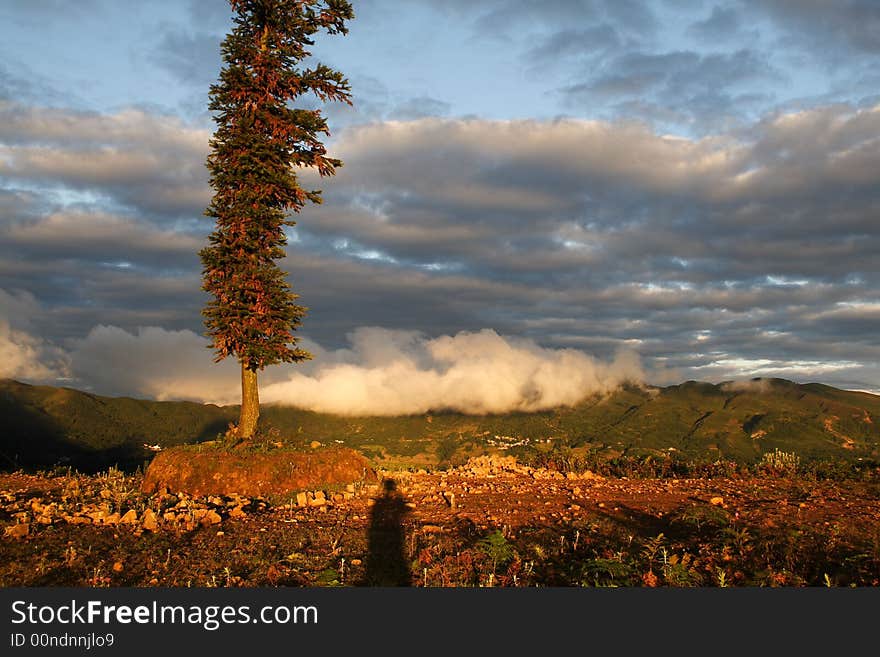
x=491 y=522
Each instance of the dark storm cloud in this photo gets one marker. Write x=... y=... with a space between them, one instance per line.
x=193 y=58
x=714 y=235
x=852 y=24
x=133 y=159
x=38 y=12
x=703 y=91
x=492 y=18
x=704 y=255
x=723 y=24
x=573 y=44
x=210 y=15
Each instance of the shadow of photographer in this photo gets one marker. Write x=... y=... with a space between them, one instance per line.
x=386 y=563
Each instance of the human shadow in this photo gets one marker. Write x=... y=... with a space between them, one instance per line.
x=386 y=563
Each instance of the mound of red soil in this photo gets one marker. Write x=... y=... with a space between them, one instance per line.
x=220 y=472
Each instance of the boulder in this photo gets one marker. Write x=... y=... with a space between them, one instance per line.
x=214 y=471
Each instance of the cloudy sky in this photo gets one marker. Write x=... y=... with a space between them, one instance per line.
x=534 y=191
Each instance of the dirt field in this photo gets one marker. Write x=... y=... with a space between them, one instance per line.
x=485 y=524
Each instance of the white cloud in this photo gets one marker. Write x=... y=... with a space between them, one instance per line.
x=24 y=356
x=152 y=362
x=383 y=372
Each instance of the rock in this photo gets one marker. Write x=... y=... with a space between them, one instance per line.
x=218 y=473
x=112 y=519
x=97 y=516
x=18 y=531
x=150 y=522
x=130 y=518
x=432 y=529
x=237 y=512
x=118 y=567
x=302 y=499
x=356 y=562
x=314 y=444
x=211 y=518
x=716 y=501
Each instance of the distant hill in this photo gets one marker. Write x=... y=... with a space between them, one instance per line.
x=44 y=425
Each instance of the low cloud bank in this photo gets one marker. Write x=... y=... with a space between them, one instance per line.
x=382 y=372
x=397 y=373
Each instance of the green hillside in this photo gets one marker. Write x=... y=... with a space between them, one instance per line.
x=44 y=425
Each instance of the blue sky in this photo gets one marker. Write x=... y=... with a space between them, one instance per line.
x=692 y=183
x=494 y=60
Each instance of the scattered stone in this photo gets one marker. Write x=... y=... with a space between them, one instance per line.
x=18 y=531
x=314 y=444
x=237 y=512
x=150 y=522
x=129 y=518
x=716 y=501
x=211 y=518
x=118 y=567
x=97 y=516
x=302 y=499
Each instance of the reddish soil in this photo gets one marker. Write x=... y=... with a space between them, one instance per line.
x=466 y=527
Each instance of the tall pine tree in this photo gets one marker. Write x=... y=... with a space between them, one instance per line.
x=260 y=141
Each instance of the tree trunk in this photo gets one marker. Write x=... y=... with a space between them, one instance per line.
x=250 y=403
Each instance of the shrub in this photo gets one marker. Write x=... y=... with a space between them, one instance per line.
x=779 y=463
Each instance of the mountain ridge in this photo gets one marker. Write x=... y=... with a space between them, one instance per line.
x=46 y=425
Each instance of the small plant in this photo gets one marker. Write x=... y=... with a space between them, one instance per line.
x=607 y=572
x=679 y=571
x=779 y=463
x=497 y=548
x=446 y=449
x=701 y=517
x=652 y=547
